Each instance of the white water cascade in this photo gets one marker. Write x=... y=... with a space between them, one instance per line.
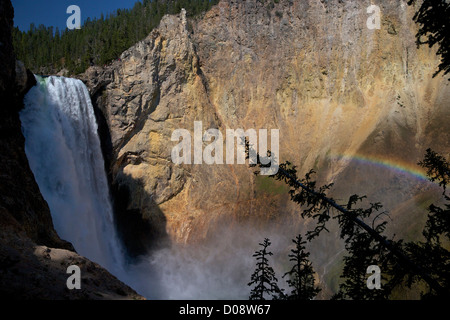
x=64 y=153
x=63 y=149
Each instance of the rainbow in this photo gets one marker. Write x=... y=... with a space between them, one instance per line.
x=400 y=166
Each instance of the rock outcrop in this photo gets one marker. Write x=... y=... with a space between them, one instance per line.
x=156 y=87
x=33 y=259
x=38 y=272
x=311 y=69
x=22 y=206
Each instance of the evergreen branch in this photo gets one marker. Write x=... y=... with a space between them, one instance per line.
x=314 y=198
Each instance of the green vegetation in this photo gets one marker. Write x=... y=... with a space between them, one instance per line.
x=99 y=41
x=267 y=185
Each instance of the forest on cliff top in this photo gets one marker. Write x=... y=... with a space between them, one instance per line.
x=47 y=50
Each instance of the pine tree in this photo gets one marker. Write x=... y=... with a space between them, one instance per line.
x=99 y=41
x=264 y=279
x=363 y=251
x=432 y=17
x=367 y=245
x=432 y=253
x=301 y=276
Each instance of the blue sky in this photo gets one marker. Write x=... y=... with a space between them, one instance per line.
x=53 y=12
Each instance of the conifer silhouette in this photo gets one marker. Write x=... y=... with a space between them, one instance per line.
x=301 y=275
x=432 y=17
x=264 y=279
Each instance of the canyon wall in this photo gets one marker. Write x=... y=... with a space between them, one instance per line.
x=311 y=69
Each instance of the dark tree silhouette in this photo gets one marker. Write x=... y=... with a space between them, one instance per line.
x=363 y=251
x=317 y=205
x=264 y=279
x=366 y=244
x=431 y=253
x=433 y=18
x=301 y=276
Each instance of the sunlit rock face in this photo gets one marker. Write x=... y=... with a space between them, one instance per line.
x=336 y=90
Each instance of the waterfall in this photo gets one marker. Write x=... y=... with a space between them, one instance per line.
x=63 y=149
x=64 y=153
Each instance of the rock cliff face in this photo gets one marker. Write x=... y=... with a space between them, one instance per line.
x=33 y=259
x=155 y=88
x=22 y=206
x=311 y=69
